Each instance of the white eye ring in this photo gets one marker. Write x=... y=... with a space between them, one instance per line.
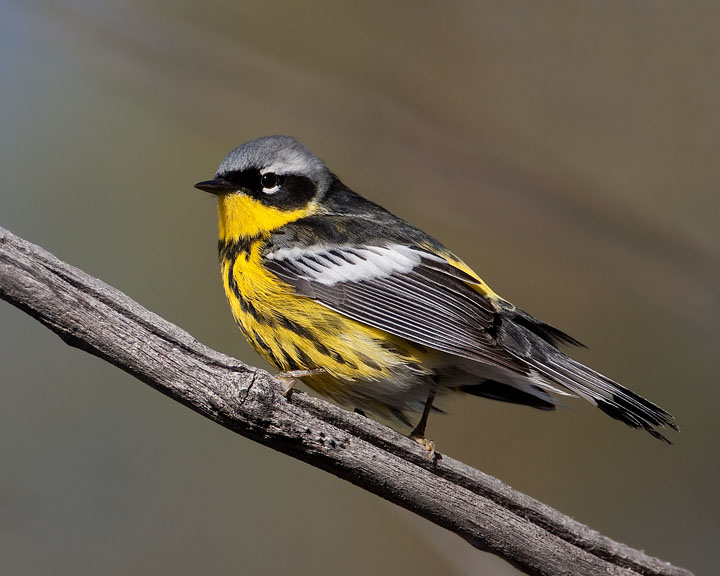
x=270 y=182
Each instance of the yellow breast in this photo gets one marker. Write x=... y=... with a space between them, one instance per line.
x=294 y=332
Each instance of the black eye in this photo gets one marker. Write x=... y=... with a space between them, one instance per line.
x=269 y=180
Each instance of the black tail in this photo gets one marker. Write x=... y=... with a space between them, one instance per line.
x=538 y=398
x=548 y=333
x=535 y=343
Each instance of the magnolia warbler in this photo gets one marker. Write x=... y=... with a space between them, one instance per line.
x=373 y=312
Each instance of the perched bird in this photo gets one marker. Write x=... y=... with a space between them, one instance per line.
x=373 y=312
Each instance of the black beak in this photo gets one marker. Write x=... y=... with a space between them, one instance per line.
x=217 y=186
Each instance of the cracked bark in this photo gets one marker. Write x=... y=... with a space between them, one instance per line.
x=88 y=314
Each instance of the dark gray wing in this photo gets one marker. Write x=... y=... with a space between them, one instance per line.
x=419 y=296
x=403 y=290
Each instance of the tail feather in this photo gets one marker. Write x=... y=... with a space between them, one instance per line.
x=612 y=398
x=554 y=367
x=548 y=333
x=530 y=396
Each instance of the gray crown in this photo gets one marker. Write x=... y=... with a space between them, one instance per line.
x=278 y=154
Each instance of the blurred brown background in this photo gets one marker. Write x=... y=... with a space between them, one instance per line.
x=566 y=150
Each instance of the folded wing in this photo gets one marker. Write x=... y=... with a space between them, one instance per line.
x=420 y=296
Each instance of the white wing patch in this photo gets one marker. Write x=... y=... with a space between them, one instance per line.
x=331 y=266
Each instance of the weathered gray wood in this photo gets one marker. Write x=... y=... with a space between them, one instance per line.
x=88 y=314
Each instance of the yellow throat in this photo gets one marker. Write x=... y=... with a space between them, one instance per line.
x=244 y=217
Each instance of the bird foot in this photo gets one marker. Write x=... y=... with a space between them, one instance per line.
x=290 y=377
x=429 y=445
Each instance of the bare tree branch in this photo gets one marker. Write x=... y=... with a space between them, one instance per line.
x=88 y=314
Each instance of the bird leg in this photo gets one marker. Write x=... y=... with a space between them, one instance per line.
x=419 y=433
x=290 y=377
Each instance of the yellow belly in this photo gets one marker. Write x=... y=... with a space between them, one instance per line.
x=294 y=332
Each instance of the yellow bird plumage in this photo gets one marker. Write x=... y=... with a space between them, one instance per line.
x=320 y=278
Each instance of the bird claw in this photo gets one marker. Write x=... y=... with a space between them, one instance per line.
x=429 y=445
x=291 y=376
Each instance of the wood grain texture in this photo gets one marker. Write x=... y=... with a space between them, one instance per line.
x=90 y=315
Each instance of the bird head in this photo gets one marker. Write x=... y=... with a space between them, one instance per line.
x=265 y=184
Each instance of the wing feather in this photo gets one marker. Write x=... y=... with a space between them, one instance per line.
x=412 y=291
x=403 y=290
